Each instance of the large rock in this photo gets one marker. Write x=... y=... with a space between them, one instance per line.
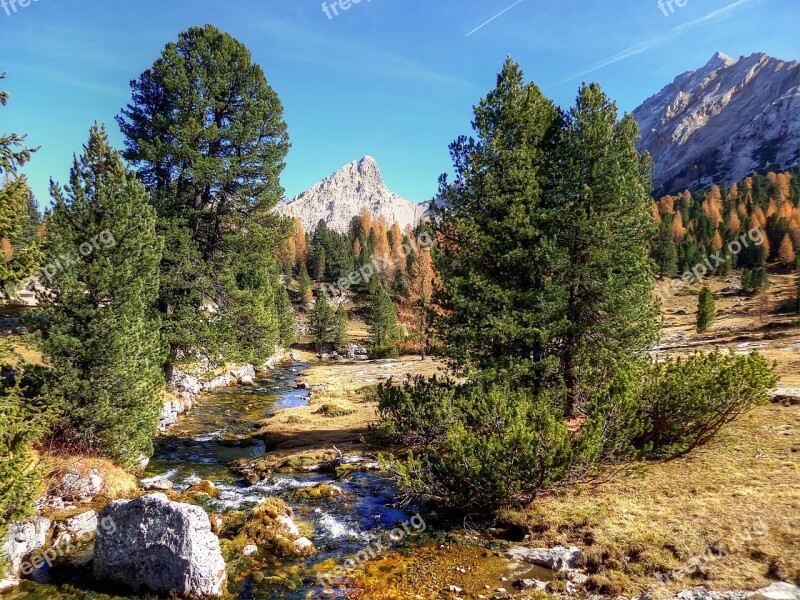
x=166 y=547
x=82 y=483
x=22 y=540
x=558 y=558
x=778 y=591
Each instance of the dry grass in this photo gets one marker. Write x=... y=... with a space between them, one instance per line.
x=338 y=414
x=631 y=529
x=740 y=324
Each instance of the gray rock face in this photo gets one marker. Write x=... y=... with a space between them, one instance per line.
x=163 y=546
x=557 y=558
x=722 y=122
x=22 y=540
x=778 y=591
x=343 y=195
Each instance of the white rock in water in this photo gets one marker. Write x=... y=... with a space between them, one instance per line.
x=289 y=526
x=249 y=549
x=167 y=547
x=303 y=544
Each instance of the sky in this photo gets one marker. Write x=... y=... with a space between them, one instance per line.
x=393 y=79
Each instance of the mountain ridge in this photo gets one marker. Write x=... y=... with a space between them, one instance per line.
x=722 y=122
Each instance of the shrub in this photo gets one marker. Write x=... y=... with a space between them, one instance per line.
x=687 y=401
x=505 y=449
x=417 y=413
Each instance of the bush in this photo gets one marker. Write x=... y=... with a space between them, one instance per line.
x=687 y=401
x=417 y=413
x=501 y=447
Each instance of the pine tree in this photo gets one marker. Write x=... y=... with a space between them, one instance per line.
x=100 y=331
x=22 y=420
x=384 y=332
x=341 y=336
x=706 y=310
x=323 y=324
x=207 y=136
x=665 y=252
x=286 y=318
x=568 y=197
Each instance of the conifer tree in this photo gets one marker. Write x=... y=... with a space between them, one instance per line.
x=323 y=324
x=665 y=252
x=568 y=197
x=384 y=332
x=305 y=285
x=786 y=252
x=286 y=318
x=206 y=134
x=100 y=331
x=341 y=336
x=22 y=420
x=706 y=310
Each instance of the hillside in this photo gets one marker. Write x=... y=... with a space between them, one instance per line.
x=722 y=122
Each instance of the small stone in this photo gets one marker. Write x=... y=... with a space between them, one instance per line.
x=249 y=549
x=455 y=589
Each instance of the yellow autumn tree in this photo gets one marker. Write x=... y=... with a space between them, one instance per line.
x=399 y=259
x=300 y=243
x=734 y=222
x=772 y=208
x=366 y=223
x=786 y=253
x=666 y=205
x=656 y=215
x=713 y=205
x=678 y=230
x=717 y=242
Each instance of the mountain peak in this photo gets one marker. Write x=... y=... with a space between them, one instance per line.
x=346 y=193
x=718 y=61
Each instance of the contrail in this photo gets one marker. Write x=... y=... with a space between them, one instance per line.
x=500 y=14
x=652 y=42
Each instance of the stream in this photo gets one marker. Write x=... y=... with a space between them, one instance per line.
x=218 y=431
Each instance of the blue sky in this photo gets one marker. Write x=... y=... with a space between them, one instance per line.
x=395 y=79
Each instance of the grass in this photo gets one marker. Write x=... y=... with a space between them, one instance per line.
x=728 y=493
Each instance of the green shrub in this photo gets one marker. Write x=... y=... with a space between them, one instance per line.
x=418 y=413
x=507 y=448
x=688 y=400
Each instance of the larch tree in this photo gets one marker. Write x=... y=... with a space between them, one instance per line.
x=786 y=252
x=206 y=134
x=100 y=329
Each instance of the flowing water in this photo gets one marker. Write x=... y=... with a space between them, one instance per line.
x=218 y=430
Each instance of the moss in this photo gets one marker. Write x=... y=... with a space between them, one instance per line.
x=264 y=528
x=322 y=491
x=333 y=410
x=205 y=487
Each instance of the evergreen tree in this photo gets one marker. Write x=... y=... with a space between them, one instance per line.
x=567 y=196
x=207 y=136
x=288 y=323
x=341 y=337
x=384 y=332
x=22 y=420
x=706 y=310
x=323 y=323
x=665 y=252
x=99 y=329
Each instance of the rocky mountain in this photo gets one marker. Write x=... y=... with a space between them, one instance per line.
x=723 y=122
x=343 y=195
